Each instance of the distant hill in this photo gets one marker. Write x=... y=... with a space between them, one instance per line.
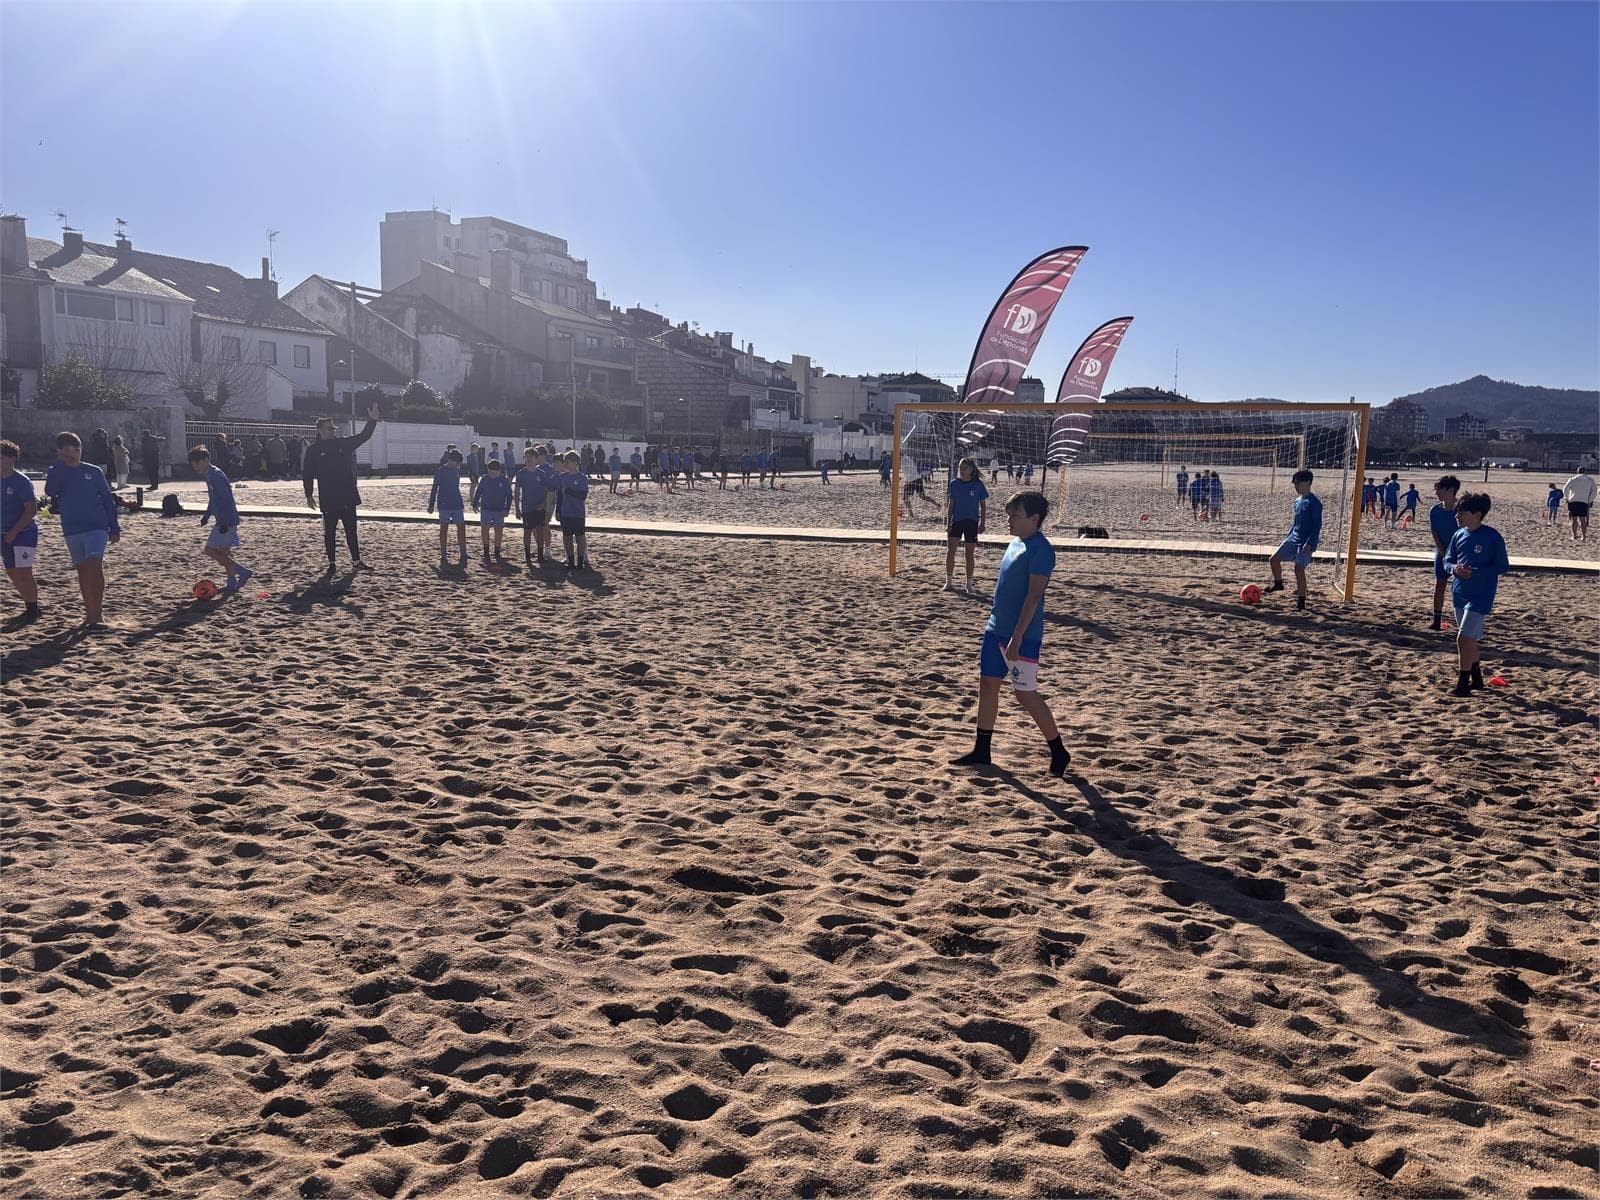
x=1545 y=410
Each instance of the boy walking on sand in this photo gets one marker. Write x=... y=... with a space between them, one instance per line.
x=1304 y=533
x=21 y=533
x=224 y=537
x=79 y=493
x=1015 y=633
x=1442 y=526
x=1475 y=560
x=446 y=495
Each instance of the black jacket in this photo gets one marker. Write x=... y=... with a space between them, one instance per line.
x=330 y=464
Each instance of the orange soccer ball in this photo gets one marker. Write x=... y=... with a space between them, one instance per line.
x=1250 y=593
x=205 y=590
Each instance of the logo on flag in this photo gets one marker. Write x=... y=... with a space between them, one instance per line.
x=1090 y=367
x=1021 y=319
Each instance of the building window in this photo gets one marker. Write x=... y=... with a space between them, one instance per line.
x=269 y=353
x=590 y=342
x=230 y=349
x=125 y=310
x=155 y=312
x=87 y=305
x=302 y=356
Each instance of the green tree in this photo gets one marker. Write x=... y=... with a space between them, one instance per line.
x=76 y=383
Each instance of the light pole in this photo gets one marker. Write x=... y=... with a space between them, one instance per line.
x=839 y=417
x=352 y=365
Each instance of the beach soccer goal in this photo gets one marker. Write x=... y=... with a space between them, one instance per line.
x=1127 y=471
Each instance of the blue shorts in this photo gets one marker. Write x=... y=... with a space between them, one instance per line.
x=1023 y=673
x=492 y=518
x=1300 y=556
x=20 y=555
x=1469 y=623
x=1439 y=573
x=84 y=546
x=452 y=516
x=218 y=540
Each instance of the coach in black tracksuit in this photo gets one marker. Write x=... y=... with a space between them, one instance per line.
x=330 y=464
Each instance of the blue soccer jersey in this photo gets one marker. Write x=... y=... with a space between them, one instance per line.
x=16 y=493
x=966 y=499
x=1306 y=530
x=1411 y=498
x=1024 y=557
x=82 y=498
x=1442 y=523
x=574 y=491
x=446 y=491
x=1391 y=494
x=220 y=505
x=1484 y=551
x=494 y=493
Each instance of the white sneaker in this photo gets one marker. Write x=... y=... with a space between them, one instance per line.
x=949 y=584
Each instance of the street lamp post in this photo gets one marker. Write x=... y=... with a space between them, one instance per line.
x=352 y=365
x=839 y=417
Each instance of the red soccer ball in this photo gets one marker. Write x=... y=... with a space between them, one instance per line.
x=205 y=590
x=1250 y=593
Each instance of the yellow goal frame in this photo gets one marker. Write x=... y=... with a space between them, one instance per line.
x=1363 y=413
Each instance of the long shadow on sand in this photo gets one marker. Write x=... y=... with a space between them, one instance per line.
x=1260 y=902
x=190 y=612
x=588 y=580
x=327 y=591
x=1385 y=632
x=42 y=654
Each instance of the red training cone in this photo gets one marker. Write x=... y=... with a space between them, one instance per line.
x=1497 y=681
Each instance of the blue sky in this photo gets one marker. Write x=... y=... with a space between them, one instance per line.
x=1308 y=201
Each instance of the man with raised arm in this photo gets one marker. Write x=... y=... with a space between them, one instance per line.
x=329 y=464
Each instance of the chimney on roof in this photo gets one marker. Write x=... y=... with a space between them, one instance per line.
x=500 y=270
x=124 y=245
x=466 y=264
x=265 y=286
x=13 y=243
x=72 y=240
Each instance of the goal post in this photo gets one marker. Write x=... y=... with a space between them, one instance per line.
x=1109 y=469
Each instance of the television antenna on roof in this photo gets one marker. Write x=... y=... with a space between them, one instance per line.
x=122 y=227
x=61 y=215
x=272 y=236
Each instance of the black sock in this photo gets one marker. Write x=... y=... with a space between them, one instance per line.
x=979 y=755
x=1463 y=681
x=1477 y=675
x=1059 y=756
x=1438 y=620
x=1300 y=603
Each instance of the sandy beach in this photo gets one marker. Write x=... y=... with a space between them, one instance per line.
x=654 y=880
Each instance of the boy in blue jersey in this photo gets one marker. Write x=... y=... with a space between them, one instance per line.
x=1197 y=491
x=635 y=465
x=1015 y=632
x=1304 y=534
x=744 y=469
x=224 y=537
x=1183 y=484
x=772 y=466
x=1442 y=525
x=474 y=463
x=761 y=468
x=1214 y=497
x=529 y=490
x=969 y=516
x=1552 y=504
x=886 y=469
x=1391 y=499
x=492 y=502
x=1409 y=505
x=446 y=495
x=20 y=546
x=79 y=494
x=615 y=463
x=574 y=490
x=1475 y=559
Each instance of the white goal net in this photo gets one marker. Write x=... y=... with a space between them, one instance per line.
x=1207 y=474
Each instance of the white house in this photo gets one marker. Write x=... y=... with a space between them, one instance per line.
x=280 y=353
x=59 y=299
